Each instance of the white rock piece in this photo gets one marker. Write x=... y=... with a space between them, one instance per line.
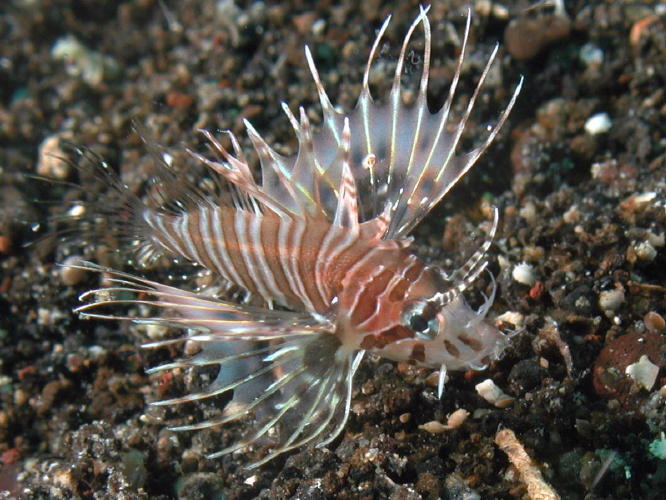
x=523 y=273
x=643 y=372
x=611 y=300
x=493 y=394
x=599 y=123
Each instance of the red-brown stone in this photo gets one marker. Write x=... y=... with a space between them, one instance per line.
x=609 y=376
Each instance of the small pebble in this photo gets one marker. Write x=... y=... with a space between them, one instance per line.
x=10 y=456
x=572 y=215
x=493 y=394
x=638 y=202
x=191 y=347
x=609 y=374
x=71 y=276
x=512 y=317
x=368 y=388
x=640 y=28
x=433 y=379
x=179 y=100
x=156 y=331
x=533 y=253
x=304 y=22
x=77 y=210
x=523 y=273
x=433 y=427
x=645 y=251
x=529 y=212
x=599 y=123
x=50 y=161
x=74 y=362
x=658 y=447
x=500 y=11
x=536 y=291
x=401 y=436
x=252 y=480
x=65 y=479
x=656 y=240
x=319 y=27
x=21 y=397
x=654 y=322
x=611 y=300
x=486 y=8
x=457 y=418
x=5 y=244
x=525 y=38
x=96 y=352
x=591 y=55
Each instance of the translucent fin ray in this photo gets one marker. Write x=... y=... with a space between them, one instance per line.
x=285 y=371
x=403 y=157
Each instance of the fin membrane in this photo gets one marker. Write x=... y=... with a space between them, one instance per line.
x=286 y=371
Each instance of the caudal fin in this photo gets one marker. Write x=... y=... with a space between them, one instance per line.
x=101 y=209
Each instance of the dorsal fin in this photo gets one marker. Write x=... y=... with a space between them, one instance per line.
x=405 y=157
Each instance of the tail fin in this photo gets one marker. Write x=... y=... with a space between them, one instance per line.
x=286 y=370
x=104 y=209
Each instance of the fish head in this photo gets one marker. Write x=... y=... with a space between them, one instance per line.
x=437 y=329
x=454 y=335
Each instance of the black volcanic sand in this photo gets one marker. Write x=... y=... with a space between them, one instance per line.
x=586 y=210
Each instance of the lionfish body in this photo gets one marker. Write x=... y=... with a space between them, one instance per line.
x=322 y=244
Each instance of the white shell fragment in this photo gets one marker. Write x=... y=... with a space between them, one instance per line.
x=512 y=317
x=523 y=273
x=611 y=300
x=493 y=394
x=599 y=123
x=643 y=372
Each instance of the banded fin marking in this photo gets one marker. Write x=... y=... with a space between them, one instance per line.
x=287 y=372
x=414 y=152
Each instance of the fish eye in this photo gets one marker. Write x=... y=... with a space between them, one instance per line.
x=421 y=318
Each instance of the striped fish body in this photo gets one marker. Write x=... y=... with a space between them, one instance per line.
x=322 y=243
x=308 y=264
x=271 y=257
x=305 y=264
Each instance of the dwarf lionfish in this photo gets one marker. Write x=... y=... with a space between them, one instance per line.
x=321 y=244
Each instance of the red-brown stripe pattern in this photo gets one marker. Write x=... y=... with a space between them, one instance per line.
x=291 y=262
